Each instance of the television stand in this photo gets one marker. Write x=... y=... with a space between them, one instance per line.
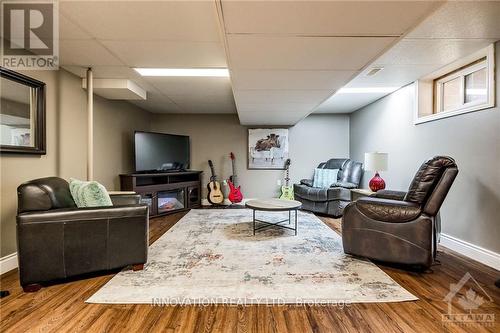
x=165 y=192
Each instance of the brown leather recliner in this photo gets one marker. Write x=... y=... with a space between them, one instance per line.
x=57 y=240
x=401 y=227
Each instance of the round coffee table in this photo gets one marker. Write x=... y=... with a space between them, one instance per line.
x=274 y=205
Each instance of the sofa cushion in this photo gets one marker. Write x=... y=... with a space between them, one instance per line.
x=322 y=194
x=89 y=194
x=344 y=185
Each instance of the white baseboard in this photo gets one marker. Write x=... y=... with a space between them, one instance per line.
x=8 y=263
x=484 y=256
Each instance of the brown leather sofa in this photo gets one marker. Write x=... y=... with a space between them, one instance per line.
x=401 y=227
x=56 y=240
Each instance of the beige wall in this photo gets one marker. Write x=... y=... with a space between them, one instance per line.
x=470 y=211
x=114 y=122
x=314 y=139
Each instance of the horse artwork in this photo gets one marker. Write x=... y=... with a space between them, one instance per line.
x=267 y=148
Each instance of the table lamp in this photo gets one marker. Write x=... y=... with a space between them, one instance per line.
x=376 y=162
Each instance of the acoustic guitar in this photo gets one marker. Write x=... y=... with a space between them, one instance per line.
x=287 y=190
x=215 y=196
x=235 y=195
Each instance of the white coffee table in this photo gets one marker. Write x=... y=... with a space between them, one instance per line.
x=274 y=205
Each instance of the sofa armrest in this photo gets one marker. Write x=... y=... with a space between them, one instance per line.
x=78 y=214
x=125 y=199
x=389 y=194
x=307 y=182
x=387 y=210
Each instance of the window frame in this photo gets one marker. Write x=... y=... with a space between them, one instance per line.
x=461 y=74
x=429 y=89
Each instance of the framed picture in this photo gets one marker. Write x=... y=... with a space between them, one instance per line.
x=267 y=148
x=22 y=114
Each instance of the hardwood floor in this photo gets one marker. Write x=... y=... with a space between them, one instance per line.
x=61 y=308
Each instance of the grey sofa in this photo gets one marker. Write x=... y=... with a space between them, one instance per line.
x=57 y=240
x=333 y=200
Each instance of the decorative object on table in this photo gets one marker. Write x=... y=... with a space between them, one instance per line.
x=215 y=195
x=324 y=178
x=274 y=205
x=235 y=194
x=401 y=227
x=376 y=162
x=227 y=264
x=287 y=190
x=89 y=194
x=58 y=240
x=267 y=148
x=332 y=200
x=22 y=113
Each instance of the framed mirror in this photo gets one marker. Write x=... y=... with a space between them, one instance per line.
x=22 y=113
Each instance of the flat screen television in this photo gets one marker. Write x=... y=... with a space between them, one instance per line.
x=157 y=152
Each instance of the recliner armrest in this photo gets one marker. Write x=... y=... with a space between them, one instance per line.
x=389 y=194
x=387 y=210
x=76 y=214
x=307 y=182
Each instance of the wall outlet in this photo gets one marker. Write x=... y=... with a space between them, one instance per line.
x=278 y=182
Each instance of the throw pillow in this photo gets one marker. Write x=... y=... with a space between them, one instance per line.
x=325 y=177
x=89 y=194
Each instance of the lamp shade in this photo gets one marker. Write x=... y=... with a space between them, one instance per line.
x=376 y=161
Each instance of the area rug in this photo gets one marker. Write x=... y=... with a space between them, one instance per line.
x=211 y=257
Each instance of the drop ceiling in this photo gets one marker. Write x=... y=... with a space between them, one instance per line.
x=438 y=40
x=286 y=59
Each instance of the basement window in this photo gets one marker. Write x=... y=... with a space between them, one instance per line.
x=466 y=85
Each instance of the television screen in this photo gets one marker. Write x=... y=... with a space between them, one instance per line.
x=161 y=152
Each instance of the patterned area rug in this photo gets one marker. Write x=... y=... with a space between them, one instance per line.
x=211 y=256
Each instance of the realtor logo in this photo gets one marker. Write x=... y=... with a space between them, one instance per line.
x=30 y=35
x=470 y=302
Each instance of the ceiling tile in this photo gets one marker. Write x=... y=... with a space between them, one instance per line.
x=85 y=53
x=69 y=30
x=462 y=19
x=324 y=17
x=304 y=53
x=391 y=75
x=104 y=72
x=158 y=103
x=168 y=53
x=191 y=85
x=282 y=80
x=431 y=51
x=346 y=103
x=145 y=20
x=310 y=97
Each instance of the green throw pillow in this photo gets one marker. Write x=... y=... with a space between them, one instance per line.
x=324 y=178
x=89 y=194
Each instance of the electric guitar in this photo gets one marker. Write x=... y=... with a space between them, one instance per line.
x=235 y=195
x=215 y=196
x=287 y=190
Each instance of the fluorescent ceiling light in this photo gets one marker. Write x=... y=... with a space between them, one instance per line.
x=213 y=72
x=370 y=90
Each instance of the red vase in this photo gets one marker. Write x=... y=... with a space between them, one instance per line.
x=376 y=183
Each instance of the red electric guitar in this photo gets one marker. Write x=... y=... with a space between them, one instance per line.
x=235 y=195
